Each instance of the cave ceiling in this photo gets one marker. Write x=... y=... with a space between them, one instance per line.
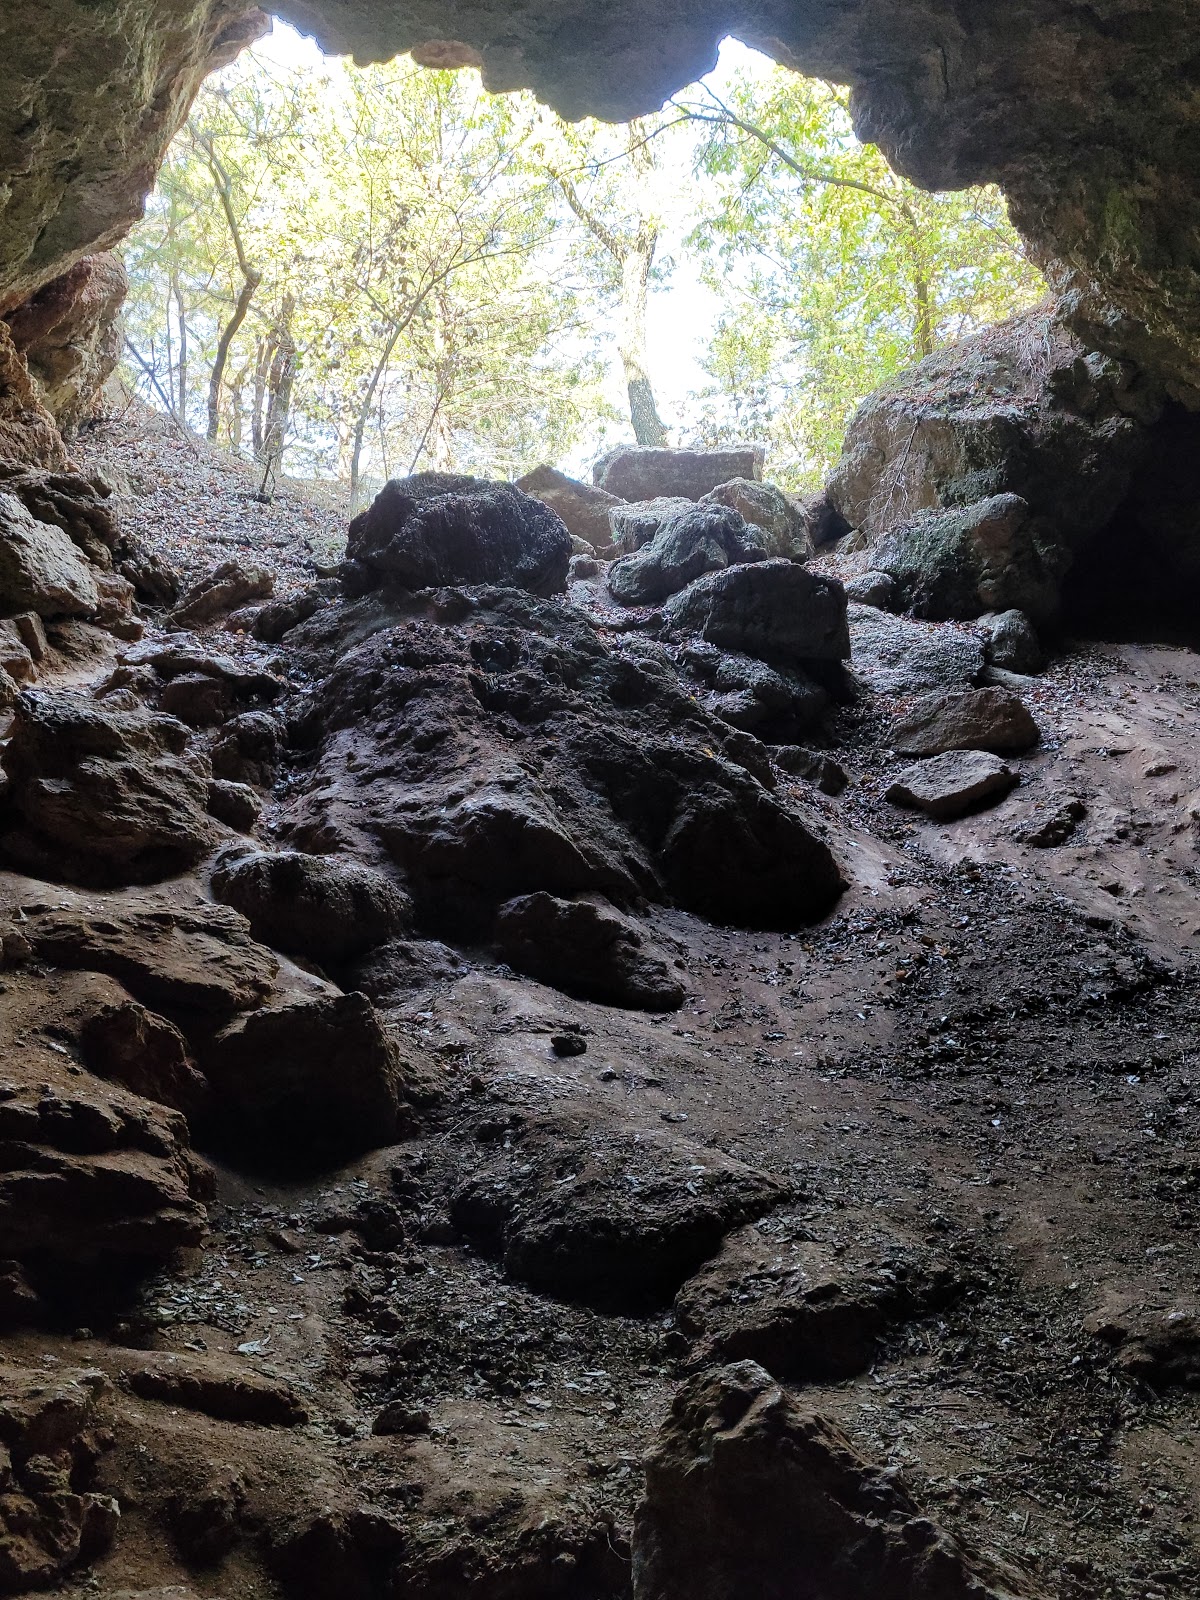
x=1087 y=114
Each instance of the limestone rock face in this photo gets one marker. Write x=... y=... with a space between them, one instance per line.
x=69 y=335
x=102 y=796
x=438 y=528
x=40 y=568
x=749 y=1493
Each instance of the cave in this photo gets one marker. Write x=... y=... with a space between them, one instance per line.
x=649 y=1064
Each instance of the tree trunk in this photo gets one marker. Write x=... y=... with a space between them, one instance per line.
x=280 y=381
x=228 y=333
x=262 y=366
x=648 y=427
x=183 y=353
x=924 y=328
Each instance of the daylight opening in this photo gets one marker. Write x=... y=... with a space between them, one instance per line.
x=355 y=273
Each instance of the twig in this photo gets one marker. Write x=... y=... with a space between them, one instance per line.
x=153 y=376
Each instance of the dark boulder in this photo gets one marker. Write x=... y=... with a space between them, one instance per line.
x=775 y=610
x=634 y=525
x=953 y=784
x=900 y=656
x=690 y=543
x=779 y=524
x=587 y=948
x=1011 y=642
x=435 y=529
x=319 y=906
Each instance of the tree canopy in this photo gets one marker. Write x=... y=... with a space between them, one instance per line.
x=363 y=272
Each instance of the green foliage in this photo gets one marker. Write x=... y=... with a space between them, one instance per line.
x=401 y=228
x=834 y=272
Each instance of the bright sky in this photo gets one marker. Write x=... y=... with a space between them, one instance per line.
x=682 y=312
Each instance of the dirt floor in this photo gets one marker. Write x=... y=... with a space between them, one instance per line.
x=976 y=1084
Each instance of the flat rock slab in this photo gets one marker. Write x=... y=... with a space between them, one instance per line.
x=950 y=785
x=165 y=955
x=896 y=655
x=966 y=719
x=224 y=1387
x=641 y=474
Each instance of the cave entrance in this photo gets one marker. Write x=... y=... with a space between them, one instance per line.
x=347 y=274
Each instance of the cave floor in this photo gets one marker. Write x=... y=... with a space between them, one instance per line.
x=985 y=1062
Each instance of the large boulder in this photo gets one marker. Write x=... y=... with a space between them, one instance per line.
x=749 y=1493
x=613 y=1217
x=98 y=795
x=634 y=524
x=775 y=610
x=897 y=656
x=699 y=540
x=230 y=584
x=318 y=906
x=305 y=1082
x=993 y=464
x=985 y=557
x=781 y=526
x=40 y=568
x=438 y=529
x=588 y=948
x=635 y=473
x=584 y=510
x=965 y=719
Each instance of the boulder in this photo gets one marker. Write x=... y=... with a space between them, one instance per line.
x=102 y=796
x=940 y=456
x=234 y=804
x=583 y=509
x=10 y=690
x=898 y=656
x=950 y=785
x=754 y=696
x=750 y=1493
x=229 y=585
x=962 y=562
x=436 y=529
x=189 y=959
x=587 y=948
x=775 y=610
x=271 y=620
x=635 y=473
x=610 y=1216
x=781 y=526
x=304 y=1083
x=219 y=1386
x=248 y=749
x=812 y=765
x=632 y=526
x=692 y=542
x=40 y=568
x=872 y=588
x=81 y=507
x=54 y=1428
x=1010 y=641
x=323 y=907
x=965 y=719
x=27 y=430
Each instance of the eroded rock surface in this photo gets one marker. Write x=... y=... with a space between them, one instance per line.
x=749 y=1493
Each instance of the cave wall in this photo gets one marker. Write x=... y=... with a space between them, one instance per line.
x=1088 y=115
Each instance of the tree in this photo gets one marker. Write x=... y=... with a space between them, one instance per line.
x=835 y=272
x=607 y=177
